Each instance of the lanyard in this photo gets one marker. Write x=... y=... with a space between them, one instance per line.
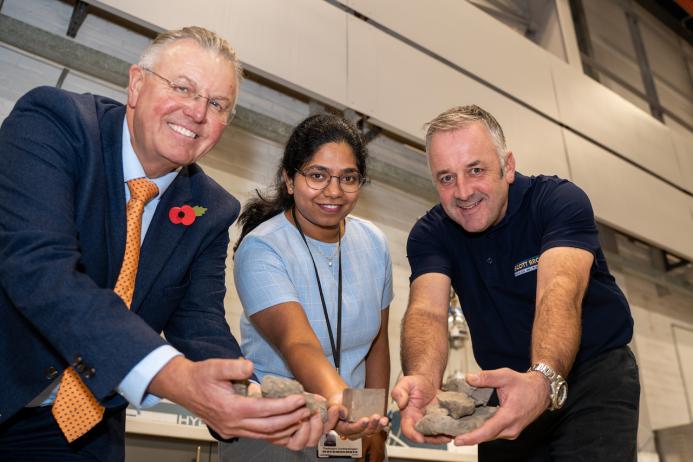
x=336 y=350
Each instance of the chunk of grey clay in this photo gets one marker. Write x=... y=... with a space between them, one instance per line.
x=459 y=409
x=316 y=405
x=436 y=408
x=459 y=404
x=281 y=387
x=439 y=424
x=459 y=384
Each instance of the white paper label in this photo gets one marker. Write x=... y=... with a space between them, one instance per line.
x=331 y=445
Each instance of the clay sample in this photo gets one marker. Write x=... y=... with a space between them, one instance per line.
x=316 y=405
x=439 y=424
x=281 y=387
x=436 y=408
x=459 y=409
x=459 y=404
x=479 y=395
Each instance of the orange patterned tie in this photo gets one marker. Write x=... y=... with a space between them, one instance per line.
x=141 y=192
x=76 y=409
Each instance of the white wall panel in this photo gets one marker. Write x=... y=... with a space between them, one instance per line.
x=167 y=14
x=473 y=40
x=49 y=15
x=301 y=43
x=630 y=200
x=79 y=83
x=19 y=74
x=590 y=108
x=683 y=142
x=402 y=88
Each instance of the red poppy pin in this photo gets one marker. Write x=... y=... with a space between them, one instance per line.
x=185 y=215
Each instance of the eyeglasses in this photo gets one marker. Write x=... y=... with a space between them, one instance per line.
x=220 y=109
x=319 y=179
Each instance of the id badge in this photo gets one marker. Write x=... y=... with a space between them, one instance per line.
x=331 y=445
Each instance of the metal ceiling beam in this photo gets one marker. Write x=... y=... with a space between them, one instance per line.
x=79 y=14
x=584 y=40
x=643 y=63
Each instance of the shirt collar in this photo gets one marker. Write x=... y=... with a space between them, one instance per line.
x=516 y=193
x=132 y=168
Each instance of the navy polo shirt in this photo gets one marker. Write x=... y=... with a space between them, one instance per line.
x=495 y=272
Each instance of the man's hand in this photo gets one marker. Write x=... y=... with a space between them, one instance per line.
x=412 y=394
x=307 y=435
x=205 y=389
x=523 y=397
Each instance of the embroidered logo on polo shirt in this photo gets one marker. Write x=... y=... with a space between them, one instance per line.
x=526 y=266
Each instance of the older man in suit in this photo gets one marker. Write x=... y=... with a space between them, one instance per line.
x=105 y=243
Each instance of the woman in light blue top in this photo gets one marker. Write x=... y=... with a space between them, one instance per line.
x=315 y=283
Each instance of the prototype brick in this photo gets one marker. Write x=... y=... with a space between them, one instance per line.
x=363 y=402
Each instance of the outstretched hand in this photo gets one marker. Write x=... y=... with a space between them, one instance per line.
x=523 y=397
x=364 y=427
x=205 y=389
x=412 y=394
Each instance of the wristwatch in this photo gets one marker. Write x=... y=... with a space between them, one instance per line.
x=558 y=387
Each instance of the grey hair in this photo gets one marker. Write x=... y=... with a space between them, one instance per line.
x=460 y=117
x=204 y=38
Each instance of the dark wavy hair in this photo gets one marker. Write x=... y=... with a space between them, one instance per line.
x=306 y=139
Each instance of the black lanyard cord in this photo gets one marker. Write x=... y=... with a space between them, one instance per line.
x=336 y=349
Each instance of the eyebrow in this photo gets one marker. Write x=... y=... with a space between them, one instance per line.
x=323 y=168
x=471 y=164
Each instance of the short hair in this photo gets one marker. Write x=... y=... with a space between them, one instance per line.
x=204 y=38
x=461 y=116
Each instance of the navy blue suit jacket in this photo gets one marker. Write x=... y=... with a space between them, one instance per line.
x=62 y=239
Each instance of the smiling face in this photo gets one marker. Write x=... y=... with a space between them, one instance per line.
x=467 y=173
x=320 y=212
x=167 y=131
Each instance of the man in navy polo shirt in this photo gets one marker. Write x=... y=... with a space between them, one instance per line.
x=549 y=325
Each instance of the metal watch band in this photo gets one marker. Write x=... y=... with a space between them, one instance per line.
x=558 y=387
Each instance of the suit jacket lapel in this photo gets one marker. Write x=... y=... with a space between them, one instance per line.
x=162 y=237
x=111 y=144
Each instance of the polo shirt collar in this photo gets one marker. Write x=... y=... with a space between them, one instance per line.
x=516 y=194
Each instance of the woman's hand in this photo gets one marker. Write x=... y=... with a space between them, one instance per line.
x=363 y=427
